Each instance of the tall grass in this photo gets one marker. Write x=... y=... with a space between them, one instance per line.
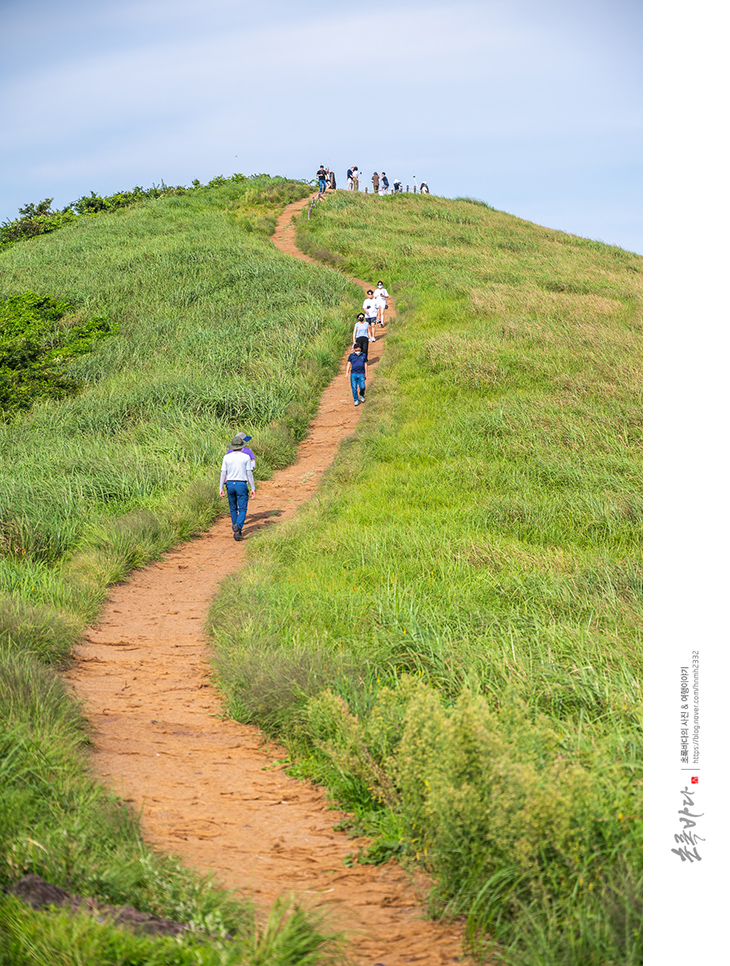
x=454 y=623
x=215 y=332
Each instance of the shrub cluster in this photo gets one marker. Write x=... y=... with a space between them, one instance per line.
x=39 y=338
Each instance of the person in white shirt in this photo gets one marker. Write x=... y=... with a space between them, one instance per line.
x=370 y=308
x=237 y=481
x=381 y=303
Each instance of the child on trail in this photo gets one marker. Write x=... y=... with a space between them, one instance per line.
x=381 y=303
x=370 y=308
x=237 y=481
x=357 y=372
x=362 y=334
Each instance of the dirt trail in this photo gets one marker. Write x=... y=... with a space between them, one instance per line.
x=208 y=787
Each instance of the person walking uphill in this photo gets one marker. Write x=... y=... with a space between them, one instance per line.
x=245 y=449
x=237 y=481
x=357 y=372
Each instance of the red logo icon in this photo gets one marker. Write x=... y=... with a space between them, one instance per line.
x=695 y=780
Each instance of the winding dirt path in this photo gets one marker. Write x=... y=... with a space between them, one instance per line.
x=208 y=788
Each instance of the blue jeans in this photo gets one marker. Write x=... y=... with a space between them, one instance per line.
x=357 y=382
x=322 y=185
x=237 y=501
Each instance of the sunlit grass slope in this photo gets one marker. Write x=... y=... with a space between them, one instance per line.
x=450 y=635
x=214 y=331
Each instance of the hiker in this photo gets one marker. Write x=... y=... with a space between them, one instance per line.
x=245 y=439
x=322 y=178
x=357 y=371
x=397 y=187
x=350 y=182
x=424 y=188
x=355 y=179
x=237 y=481
x=384 y=184
x=331 y=180
x=381 y=302
x=376 y=181
x=370 y=309
x=362 y=334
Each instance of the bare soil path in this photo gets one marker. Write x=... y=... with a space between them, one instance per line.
x=208 y=788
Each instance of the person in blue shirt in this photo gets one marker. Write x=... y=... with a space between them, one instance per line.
x=357 y=371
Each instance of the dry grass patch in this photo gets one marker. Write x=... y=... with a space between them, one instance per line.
x=470 y=362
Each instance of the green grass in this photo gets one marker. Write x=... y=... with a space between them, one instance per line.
x=213 y=331
x=449 y=635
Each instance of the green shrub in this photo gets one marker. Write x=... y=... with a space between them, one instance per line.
x=45 y=631
x=39 y=337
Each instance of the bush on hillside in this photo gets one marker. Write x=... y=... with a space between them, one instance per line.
x=39 y=336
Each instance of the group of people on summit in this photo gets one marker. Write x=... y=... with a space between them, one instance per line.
x=381 y=186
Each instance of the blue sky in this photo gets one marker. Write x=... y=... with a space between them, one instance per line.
x=534 y=106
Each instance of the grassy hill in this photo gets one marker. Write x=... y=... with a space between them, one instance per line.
x=449 y=635
x=207 y=330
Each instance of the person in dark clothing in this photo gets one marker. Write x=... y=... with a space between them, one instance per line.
x=322 y=178
x=376 y=182
x=357 y=371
